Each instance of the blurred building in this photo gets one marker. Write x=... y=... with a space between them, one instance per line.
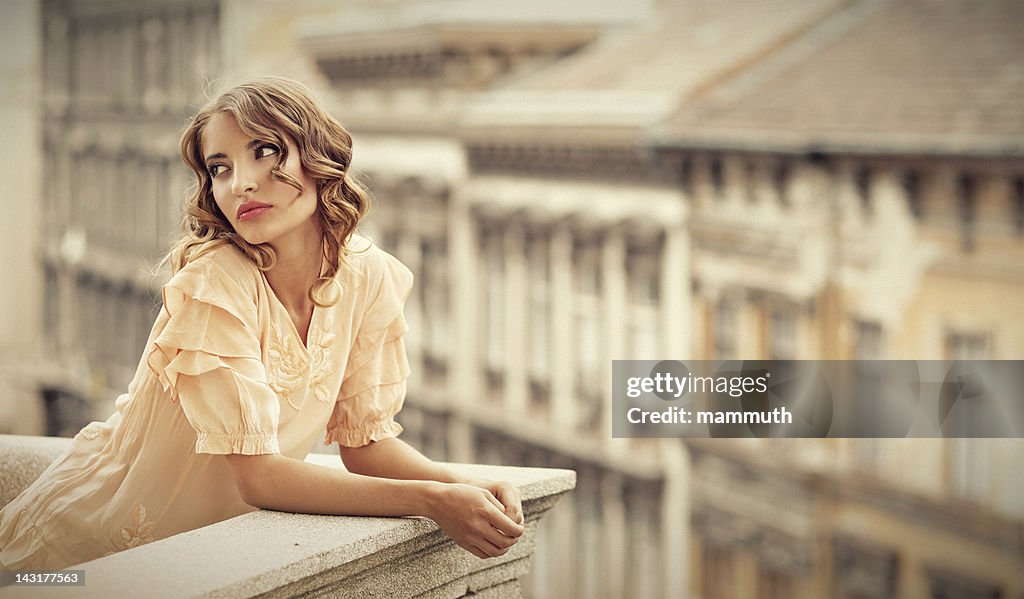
x=21 y=173
x=119 y=80
x=573 y=184
x=728 y=180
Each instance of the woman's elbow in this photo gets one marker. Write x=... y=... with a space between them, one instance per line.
x=251 y=474
x=358 y=460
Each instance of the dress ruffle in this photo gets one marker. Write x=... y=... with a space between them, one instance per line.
x=210 y=338
x=374 y=386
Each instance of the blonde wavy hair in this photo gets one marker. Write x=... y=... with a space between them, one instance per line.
x=271 y=109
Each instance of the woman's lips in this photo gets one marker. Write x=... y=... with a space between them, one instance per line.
x=251 y=210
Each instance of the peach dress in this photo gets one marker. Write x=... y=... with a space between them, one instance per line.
x=224 y=372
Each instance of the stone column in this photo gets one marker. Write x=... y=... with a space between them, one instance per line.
x=613 y=298
x=589 y=533
x=20 y=315
x=465 y=366
x=563 y=375
x=675 y=517
x=616 y=533
x=517 y=286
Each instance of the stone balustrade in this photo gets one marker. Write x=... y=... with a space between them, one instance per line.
x=275 y=554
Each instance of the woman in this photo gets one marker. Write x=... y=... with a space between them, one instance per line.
x=279 y=324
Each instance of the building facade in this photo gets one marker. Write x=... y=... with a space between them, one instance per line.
x=571 y=188
x=581 y=212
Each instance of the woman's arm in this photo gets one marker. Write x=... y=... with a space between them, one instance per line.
x=471 y=516
x=394 y=458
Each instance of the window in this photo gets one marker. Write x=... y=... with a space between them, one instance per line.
x=774 y=585
x=968 y=468
x=1018 y=205
x=494 y=286
x=434 y=289
x=911 y=183
x=870 y=415
x=868 y=344
x=968 y=346
x=780 y=182
x=718 y=574
x=966 y=201
x=643 y=267
x=539 y=308
x=782 y=340
x=862 y=183
x=587 y=310
x=726 y=329
x=717 y=178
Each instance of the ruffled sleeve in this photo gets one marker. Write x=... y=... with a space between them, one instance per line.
x=207 y=357
x=374 y=385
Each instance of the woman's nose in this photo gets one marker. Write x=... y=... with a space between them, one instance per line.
x=243 y=182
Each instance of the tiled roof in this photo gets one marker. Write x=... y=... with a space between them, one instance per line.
x=906 y=75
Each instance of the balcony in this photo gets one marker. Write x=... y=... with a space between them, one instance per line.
x=275 y=554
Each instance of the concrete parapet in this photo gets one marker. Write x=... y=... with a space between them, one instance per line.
x=276 y=554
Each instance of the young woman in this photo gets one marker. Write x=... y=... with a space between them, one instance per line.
x=279 y=324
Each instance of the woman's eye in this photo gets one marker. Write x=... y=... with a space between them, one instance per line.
x=216 y=169
x=266 y=150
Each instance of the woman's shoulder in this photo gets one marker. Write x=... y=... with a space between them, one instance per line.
x=222 y=265
x=373 y=267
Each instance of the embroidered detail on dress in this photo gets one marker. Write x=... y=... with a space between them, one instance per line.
x=139 y=533
x=287 y=366
x=322 y=370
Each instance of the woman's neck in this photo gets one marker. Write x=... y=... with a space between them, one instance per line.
x=299 y=264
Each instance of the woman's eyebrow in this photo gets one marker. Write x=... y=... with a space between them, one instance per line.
x=252 y=144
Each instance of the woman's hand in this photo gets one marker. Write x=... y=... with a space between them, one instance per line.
x=509 y=496
x=475 y=519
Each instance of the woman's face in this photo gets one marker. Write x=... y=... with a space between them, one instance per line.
x=261 y=208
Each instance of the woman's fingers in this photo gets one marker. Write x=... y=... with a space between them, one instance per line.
x=504 y=525
x=510 y=499
x=495 y=502
x=477 y=521
x=475 y=550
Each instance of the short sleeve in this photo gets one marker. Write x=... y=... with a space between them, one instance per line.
x=374 y=384
x=207 y=357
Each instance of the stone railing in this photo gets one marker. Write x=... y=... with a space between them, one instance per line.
x=275 y=554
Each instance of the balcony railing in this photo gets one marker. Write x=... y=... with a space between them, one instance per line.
x=276 y=554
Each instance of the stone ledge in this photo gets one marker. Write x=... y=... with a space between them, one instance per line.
x=23 y=459
x=276 y=554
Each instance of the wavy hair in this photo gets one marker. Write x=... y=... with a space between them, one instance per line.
x=273 y=108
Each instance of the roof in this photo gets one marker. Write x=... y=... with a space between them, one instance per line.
x=929 y=76
x=638 y=74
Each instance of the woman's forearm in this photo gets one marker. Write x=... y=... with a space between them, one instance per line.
x=471 y=516
x=284 y=484
x=394 y=458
